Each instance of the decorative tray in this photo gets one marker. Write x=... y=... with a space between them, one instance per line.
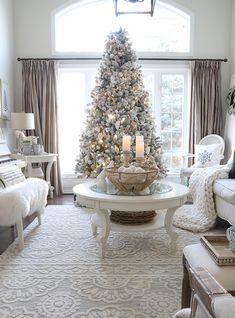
x=218 y=247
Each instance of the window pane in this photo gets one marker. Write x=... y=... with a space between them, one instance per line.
x=172 y=97
x=176 y=160
x=149 y=86
x=71 y=105
x=167 y=31
x=166 y=121
x=177 y=120
x=177 y=141
x=166 y=159
x=74 y=87
x=177 y=103
x=166 y=141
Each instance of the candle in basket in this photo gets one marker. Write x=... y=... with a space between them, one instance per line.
x=126 y=143
x=139 y=147
x=139 y=139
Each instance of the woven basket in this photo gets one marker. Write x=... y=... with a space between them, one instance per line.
x=129 y=217
x=131 y=181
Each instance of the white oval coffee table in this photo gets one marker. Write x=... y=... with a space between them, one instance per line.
x=102 y=203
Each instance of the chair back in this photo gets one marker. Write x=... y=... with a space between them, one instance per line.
x=213 y=139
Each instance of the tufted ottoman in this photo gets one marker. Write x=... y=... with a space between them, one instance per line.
x=196 y=255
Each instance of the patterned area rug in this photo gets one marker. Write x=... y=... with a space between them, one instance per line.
x=59 y=273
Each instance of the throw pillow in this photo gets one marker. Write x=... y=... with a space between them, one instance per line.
x=207 y=155
x=11 y=175
x=231 y=173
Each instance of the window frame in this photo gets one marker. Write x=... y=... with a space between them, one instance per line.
x=140 y=54
x=158 y=69
x=162 y=69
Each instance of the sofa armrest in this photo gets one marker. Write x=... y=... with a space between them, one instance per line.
x=206 y=287
x=224 y=307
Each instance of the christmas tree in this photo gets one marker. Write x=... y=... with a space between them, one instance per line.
x=120 y=106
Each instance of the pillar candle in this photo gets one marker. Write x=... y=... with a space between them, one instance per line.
x=139 y=139
x=126 y=143
x=140 y=149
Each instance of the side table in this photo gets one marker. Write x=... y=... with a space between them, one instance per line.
x=48 y=158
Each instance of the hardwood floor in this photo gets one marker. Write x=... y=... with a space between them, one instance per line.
x=61 y=200
x=9 y=233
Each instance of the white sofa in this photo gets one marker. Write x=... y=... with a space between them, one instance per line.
x=224 y=191
x=21 y=199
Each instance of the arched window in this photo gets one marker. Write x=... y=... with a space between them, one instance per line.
x=82 y=27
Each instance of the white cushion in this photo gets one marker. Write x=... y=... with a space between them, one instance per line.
x=198 y=256
x=225 y=188
x=207 y=155
x=224 y=307
x=10 y=175
x=225 y=210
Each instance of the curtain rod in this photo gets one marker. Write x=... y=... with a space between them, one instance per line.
x=98 y=58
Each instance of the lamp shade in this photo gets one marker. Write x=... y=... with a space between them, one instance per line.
x=22 y=121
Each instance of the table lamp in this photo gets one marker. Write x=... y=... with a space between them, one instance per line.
x=21 y=122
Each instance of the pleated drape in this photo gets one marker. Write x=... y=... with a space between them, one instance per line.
x=206 y=114
x=40 y=98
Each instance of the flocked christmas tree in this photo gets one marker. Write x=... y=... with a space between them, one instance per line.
x=120 y=106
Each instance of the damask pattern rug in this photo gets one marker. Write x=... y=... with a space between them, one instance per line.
x=59 y=273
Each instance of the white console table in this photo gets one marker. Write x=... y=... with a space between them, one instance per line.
x=48 y=158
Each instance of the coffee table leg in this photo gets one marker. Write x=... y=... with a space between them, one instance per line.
x=168 y=226
x=101 y=220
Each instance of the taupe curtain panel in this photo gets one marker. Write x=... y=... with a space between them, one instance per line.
x=40 y=98
x=206 y=115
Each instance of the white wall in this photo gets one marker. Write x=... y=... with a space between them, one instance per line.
x=6 y=51
x=213 y=20
x=32 y=34
x=212 y=30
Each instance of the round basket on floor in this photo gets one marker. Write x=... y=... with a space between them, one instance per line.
x=130 y=217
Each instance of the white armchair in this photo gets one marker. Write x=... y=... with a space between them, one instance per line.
x=209 y=152
x=209 y=299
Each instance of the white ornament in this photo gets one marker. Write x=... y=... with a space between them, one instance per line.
x=139 y=169
x=147 y=150
x=110 y=187
x=101 y=184
x=117 y=125
x=121 y=169
x=144 y=192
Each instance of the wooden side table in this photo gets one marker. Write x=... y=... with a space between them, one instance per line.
x=48 y=158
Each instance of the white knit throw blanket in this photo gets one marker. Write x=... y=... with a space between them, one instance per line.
x=200 y=216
